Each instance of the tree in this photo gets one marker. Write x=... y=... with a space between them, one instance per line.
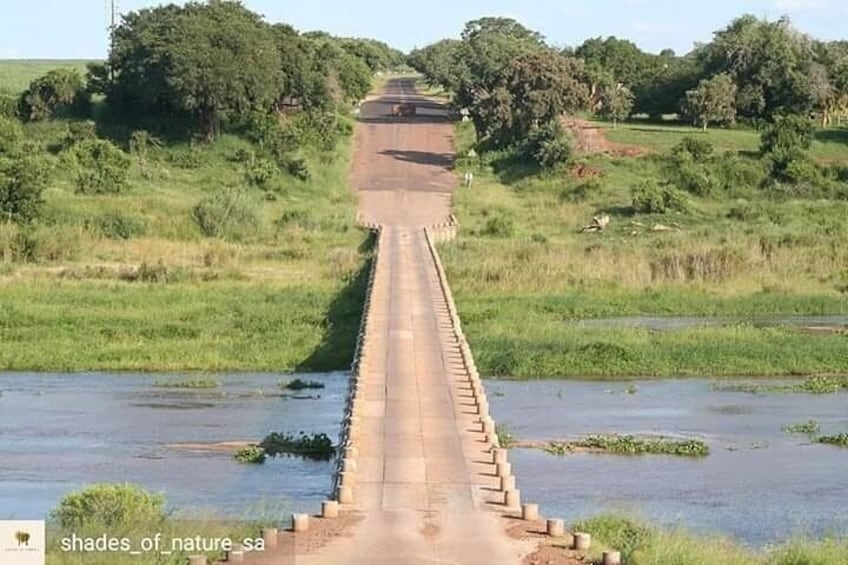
x=58 y=90
x=769 y=63
x=534 y=89
x=712 y=101
x=210 y=61
x=616 y=102
x=784 y=144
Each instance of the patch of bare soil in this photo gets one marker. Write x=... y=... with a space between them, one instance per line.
x=549 y=551
x=590 y=138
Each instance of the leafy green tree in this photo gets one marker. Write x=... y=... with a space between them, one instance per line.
x=769 y=63
x=109 y=506
x=616 y=102
x=713 y=101
x=210 y=60
x=60 y=90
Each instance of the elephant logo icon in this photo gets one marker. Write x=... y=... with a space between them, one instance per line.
x=22 y=538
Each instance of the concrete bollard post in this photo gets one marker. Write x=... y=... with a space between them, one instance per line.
x=612 y=558
x=351 y=453
x=346 y=478
x=512 y=498
x=235 y=555
x=348 y=465
x=300 y=523
x=507 y=483
x=530 y=512
x=197 y=560
x=488 y=425
x=499 y=455
x=345 y=495
x=582 y=541
x=493 y=440
x=330 y=509
x=503 y=469
x=269 y=536
x=555 y=528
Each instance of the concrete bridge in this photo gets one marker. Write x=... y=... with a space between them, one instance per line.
x=419 y=466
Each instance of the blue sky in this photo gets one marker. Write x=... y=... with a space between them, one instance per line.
x=75 y=28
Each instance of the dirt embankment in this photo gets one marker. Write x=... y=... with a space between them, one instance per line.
x=590 y=138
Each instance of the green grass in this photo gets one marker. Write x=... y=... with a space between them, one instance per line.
x=643 y=544
x=811 y=385
x=630 y=445
x=16 y=74
x=829 y=144
x=522 y=291
x=253 y=454
x=287 y=299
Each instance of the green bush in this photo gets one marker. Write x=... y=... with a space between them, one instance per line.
x=154 y=273
x=58 y=91
x=318 y=447
x=103 y=167
x=549 y=146
x=9 y=106
x=190 y=158
x=298 y=167
x=79 y=132
x=228 y=213
x=260 y=172
x=110 y=505
x=499 y=225
x=22 y=182
x=115 y=225
x=39 y=243
x=699 y=150
x=651 y=198
x=11 y=135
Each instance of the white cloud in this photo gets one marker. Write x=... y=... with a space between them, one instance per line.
x=802 y=5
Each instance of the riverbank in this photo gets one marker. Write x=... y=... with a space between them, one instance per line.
x=525 y=276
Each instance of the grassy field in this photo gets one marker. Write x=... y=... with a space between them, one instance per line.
x=16 y=74
x=524 y=276
x=288 y=297
x=829 y=144
x=642 y=544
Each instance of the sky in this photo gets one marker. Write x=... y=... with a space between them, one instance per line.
x=75 y=29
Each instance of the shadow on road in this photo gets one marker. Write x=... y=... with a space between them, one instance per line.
x=444 y=160
x=341 y=325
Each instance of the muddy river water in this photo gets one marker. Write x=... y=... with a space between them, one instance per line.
x=759 y=484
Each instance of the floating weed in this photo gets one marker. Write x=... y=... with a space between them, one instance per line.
x=300 y=384
x=631 y=445
x=809 y=427
x=505 y=437
x=812 y=385
x=190 y=383
x=839 y=439
x=251 y=454
x=318 y=447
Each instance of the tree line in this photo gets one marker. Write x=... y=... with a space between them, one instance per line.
x=187 y=71
x=753 y=70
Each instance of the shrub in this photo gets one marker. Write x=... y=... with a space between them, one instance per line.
x=500 y=225
x=11 y=135
x=155 y=273
x=699 y=150
x=260 y=172
x=228 y=213
x=783 y=141
x=103 y=167
x=79 y=132
x=549 y=146
x=190 y=158
x=115 y=225
x=44 y=243
x=9 y=106
x=651 y=198
x=60 y=90
x=300 y=384
x=109 y=505
x=22 y=182
x=298 y=167
x=691 y=176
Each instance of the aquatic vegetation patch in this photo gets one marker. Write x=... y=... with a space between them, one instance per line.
x=839 y=439
x=809 y=427
x=190 y=383
x=251 y=454
x=812 y=385
x=318 y=447
x=300 y=384
x=631 y=445
x=505 y=437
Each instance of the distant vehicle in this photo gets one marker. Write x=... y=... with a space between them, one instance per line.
x=404 y=110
